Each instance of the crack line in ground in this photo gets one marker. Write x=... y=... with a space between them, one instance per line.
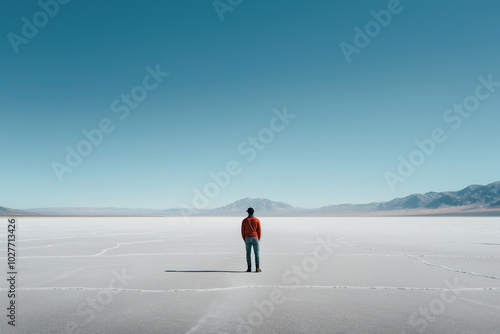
x=453 y=270
x=292 y=287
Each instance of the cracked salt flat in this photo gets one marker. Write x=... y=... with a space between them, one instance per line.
x=187 y=278
x=291 y=287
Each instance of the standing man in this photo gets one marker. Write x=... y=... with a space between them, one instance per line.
x=250 y=232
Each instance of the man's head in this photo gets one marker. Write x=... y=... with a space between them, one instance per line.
x=250 y=211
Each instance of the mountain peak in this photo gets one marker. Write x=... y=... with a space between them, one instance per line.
x=262 y=206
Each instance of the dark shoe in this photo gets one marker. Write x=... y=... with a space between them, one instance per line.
x=258 y=270
x=249 y=269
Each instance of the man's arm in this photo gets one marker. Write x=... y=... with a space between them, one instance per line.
x=258 y=228
x=243 y=230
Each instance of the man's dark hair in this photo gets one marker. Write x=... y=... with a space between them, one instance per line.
x=250 y=211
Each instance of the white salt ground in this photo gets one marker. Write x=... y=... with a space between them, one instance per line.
x=320 y=275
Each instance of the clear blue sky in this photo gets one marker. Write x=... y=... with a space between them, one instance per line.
x=353 y=120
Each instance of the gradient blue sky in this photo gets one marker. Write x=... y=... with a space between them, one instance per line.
x=353 y=120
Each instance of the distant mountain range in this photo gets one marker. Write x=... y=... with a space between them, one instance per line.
x=12 y=212
x=108 y=211
x=472 y=200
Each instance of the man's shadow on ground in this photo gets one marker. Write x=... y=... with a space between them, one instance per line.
x=206 y=271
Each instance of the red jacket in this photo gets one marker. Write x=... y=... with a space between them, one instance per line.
x=250 y=227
